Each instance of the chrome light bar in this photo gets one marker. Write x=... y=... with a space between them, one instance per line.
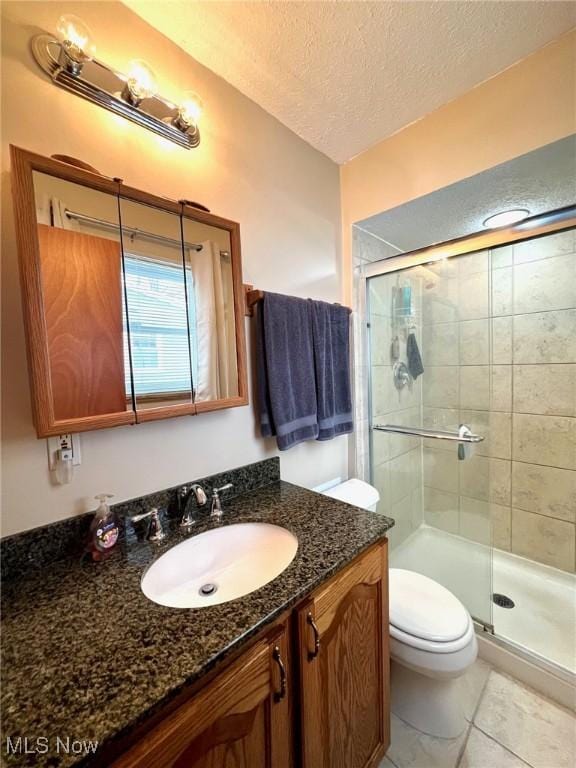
x=96 y=81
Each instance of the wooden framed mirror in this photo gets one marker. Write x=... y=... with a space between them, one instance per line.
x=133 y=304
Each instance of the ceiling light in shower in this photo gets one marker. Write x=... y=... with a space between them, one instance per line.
x=506 y=218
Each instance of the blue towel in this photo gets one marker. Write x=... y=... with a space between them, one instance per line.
x=286 y=381
x=331 y=339
x=413 y=356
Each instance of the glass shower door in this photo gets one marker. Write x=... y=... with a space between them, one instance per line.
x=433 y=442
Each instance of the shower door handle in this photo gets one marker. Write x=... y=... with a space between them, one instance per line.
x=464 y=434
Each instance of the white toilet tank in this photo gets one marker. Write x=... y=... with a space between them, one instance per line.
x=355 y=492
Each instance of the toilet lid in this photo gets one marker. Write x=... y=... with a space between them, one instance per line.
x=355 y=492
x=423 y=608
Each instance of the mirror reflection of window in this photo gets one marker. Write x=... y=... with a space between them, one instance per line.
x=156 y=306
x=81 y=272
x=211 y=311
x=158 y=326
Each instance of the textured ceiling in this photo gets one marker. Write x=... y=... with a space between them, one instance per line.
x=539 y=181
x=344 y=75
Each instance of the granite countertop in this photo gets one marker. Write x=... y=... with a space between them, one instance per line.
x=85 y=655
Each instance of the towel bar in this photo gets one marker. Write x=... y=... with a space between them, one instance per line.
x=464 y=435
x=252 y=297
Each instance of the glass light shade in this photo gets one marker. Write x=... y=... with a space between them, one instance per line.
x=75 y=37
x=506 y=218
x=190 y=108
x=141 y=80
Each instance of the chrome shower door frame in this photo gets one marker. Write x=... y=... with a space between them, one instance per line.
x=536 y=226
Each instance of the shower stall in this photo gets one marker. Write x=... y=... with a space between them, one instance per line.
x=474 y=451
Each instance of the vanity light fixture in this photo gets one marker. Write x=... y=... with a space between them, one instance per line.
x=69 y=59
x=506 y=218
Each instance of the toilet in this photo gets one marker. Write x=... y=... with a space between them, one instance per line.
x=432 y=639
x=355 y=492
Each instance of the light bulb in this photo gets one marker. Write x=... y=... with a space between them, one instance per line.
x=190 y=109
x=506 y=218
x=76 y=38
x=140 y=83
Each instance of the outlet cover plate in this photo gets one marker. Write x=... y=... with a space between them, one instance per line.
x=54 y=444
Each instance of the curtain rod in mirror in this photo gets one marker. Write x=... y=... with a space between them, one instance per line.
x=134 y=232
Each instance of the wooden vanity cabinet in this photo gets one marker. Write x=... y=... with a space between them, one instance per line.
x=331 y=711
x=344 y=667
x=241 y=719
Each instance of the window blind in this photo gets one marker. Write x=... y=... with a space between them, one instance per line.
x=158 y=326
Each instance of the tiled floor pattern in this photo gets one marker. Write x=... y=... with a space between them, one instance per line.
x=510 y=726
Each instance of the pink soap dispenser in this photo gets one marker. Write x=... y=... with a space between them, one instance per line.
x=103 y=529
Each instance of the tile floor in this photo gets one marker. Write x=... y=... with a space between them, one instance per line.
x=510 y=726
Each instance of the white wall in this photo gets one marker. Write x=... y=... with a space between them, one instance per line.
x=248 y=168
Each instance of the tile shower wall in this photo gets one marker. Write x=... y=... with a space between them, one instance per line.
x=513 y=308
x=396 y=459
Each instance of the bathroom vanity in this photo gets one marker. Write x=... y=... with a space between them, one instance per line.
x=294 y=673
x=324 y=663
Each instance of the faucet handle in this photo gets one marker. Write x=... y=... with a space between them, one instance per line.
x=216 y=491
x=216 y=510
x=155 y=531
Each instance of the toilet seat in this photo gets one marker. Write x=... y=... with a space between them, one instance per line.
x=425 y=615
x=451 y=646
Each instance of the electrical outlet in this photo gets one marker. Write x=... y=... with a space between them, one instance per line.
x=63 y=443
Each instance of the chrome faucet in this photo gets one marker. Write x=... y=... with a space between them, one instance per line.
x=216 y=509
x=155 y=531
x=188 y=520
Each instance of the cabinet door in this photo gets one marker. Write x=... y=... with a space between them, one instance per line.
x=83 y=325
x=71 y=276
x=344 y=667
x=239 y=720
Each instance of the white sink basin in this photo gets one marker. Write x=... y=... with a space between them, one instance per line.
x=219 y=565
